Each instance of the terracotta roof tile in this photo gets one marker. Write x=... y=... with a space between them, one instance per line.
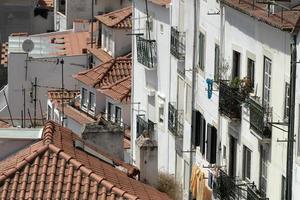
x=113 y=78
x=46 y=3
x=4 y=53
x=161 y=2
x=76 y=114
x=56 y=95
x=117 y=19
x=287 y=22
x=51 y=173
x=102 y=55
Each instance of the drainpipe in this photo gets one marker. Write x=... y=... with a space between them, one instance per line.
x=193 y=124
x=291 y=140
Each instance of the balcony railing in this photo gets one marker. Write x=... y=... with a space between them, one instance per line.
x=253 y=193
x=147 y=52
x=259 y=119
x=143 y=127
x=177 y=43
x=175 y=120
x=231 y=99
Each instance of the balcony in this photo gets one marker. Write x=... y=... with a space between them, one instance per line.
x=259 y=119
x=177 y=43
x=143 y=127
x=254 y=194
x=227 y=187
x=147 y=52
x=175 y=121
x=232 y=96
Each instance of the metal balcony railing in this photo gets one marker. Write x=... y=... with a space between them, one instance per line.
x=143 y=127
x=259 y=119
x=253 y=193
x=147 y=52
x=177 y=43
x=231 y=99
x=175 y=120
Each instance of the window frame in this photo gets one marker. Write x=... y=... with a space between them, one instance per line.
x=247 y=163
x=110 y=111
x=118 y=111
x=251 y=72
x=201 y=50
x=236 y=65
x=217 y=63
x=84 y=98
x=92 y=105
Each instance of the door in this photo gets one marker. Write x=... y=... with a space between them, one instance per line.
x=263 y=170
x=232 y=157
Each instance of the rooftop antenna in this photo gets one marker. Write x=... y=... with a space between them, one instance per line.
x=27 y=47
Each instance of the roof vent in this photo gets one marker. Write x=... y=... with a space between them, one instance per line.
x=80 y=145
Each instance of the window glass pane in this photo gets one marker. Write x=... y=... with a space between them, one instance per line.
x=217 y=62
x=84 y=98
x=118 y=114
x=92 y=102
x=201 y=50
x=109 y=111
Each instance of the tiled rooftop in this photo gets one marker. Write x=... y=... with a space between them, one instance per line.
x=56 y=95
x=287 y=21
x=46 y=3
x=161 y=2
x=4 y=53
x=76 y=114
x=102 y=55
x=117 y=19
x=54 y=168
x=113 y=78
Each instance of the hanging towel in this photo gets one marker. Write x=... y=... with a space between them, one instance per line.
x=197 y=183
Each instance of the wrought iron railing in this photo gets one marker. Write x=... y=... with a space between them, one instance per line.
x=253 y=193
x=144 y=127
x=147 y=52
x=175 y=120
x=260 y=118
x=226 y=187
x=231 y=99
x=177 y=43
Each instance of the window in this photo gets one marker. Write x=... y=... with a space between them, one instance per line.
x=200 y=131
x=92 y=102
x=201 y=50
x=211 y=144
x=251 y=72
x=267 y=82
x=263 y=170
x=217 y=62
x=62 y=6
x=286 y=101
x=84 y=98
x=161 y=113
x=246 y=163
x=49 y=113
x=109 y=111
x=118 y=114
x=236 y=61
x=283 y=188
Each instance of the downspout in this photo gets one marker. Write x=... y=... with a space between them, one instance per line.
x=193 y=124
x=291 y=139
x=133 y=118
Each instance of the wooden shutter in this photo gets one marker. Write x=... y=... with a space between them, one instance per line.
x=198 y=130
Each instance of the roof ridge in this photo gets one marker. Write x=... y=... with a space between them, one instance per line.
x=105 y=73
x=24 y=162
x=115 y=83
x=89 y=173
x=48 y=132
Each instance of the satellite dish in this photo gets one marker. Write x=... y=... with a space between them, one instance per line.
x=27 y=45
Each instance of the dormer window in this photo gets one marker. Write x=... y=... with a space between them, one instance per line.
x=107 y=41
